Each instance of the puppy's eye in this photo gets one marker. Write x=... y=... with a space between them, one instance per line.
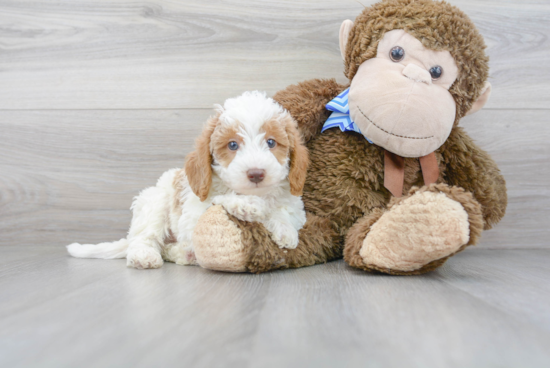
x=233 y=146
x=271 y=143
x=397 y=54
x=436 y=72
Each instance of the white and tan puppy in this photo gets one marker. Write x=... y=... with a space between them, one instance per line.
x=250 y=159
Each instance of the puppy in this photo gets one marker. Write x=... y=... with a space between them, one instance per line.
x=250 y=159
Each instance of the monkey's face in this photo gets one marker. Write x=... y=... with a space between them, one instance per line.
x=400 y=99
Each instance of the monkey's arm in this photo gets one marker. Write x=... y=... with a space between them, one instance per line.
x=306 y=103
x=224 y=243
x=471 y=168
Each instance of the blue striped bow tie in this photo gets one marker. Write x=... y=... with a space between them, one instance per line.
x=340 y=116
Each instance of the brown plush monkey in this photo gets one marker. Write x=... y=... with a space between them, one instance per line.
x=422 y=190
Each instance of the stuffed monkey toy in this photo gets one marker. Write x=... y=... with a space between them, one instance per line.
x=395 y=185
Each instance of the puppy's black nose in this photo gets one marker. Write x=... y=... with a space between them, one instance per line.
x=255 y=175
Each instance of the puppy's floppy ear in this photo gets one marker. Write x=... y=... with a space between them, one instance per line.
x=299 y=159
x=198 y=164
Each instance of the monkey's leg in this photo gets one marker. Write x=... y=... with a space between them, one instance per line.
x=224 y=243
x=416 y=233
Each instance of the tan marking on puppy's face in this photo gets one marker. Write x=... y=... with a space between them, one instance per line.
x=276 y=130
x=221 y=137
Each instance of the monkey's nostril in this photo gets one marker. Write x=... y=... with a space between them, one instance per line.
x=255 y=175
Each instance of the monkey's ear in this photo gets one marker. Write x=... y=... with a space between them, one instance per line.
x=345 y=28
x=482 y=100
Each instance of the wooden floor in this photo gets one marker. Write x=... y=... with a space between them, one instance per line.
x=98 y=98
x=484 y=308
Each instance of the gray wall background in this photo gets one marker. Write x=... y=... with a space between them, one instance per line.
x=98 y=98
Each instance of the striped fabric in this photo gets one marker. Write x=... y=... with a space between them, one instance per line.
x=340 y=116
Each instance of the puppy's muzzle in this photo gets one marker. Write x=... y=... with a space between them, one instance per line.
x=255 y=175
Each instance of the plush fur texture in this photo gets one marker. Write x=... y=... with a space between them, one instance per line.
x=255 y=251
x=344 y=189
x=425 y=226
x=217 y=242
x=249 y=159
x=443 y=220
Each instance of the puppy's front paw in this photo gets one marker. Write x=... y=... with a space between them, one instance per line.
x=245 y=208
x=143 y=258
x=285 y=236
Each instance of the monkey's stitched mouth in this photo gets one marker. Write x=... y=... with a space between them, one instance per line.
x=385 y=131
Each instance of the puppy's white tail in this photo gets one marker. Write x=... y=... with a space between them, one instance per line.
x=116 y=249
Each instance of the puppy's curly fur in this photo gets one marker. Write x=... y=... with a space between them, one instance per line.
x=250 y=159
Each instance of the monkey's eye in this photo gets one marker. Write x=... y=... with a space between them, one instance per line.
x=271 y=143
x=436 y=72
x=397 y=54
x=233 y=146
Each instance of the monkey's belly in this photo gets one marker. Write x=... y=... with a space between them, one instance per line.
x=345 y=177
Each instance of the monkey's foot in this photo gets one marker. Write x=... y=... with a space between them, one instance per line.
x=218 y=242
x=417 y=233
